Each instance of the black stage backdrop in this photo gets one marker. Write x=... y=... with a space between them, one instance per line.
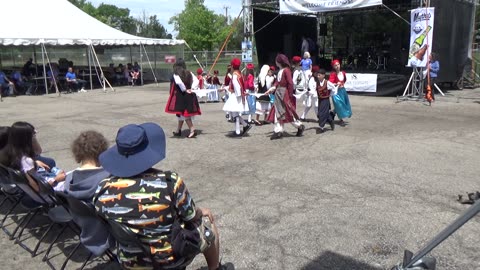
x=451 y=37
x=283 y=35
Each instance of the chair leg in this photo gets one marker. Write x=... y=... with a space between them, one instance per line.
x=25 y=224
x=70 y=255
x=8 y=213
x=45 y=257
x=86 y=261
x=34 y=253
x=23 y=220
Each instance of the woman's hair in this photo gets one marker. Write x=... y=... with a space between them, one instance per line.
x=250 y=71
x=180 y=69
x=20 y=143
x=306 y=55
x=4 y=136
x=88 y=146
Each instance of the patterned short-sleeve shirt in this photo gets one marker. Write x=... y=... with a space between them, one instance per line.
x=147 y=204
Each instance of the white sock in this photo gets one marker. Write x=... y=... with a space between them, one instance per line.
x=237 y=125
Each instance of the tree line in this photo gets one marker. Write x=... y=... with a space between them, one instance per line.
x=199 y=26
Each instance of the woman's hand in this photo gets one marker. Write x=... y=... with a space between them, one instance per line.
x=189 y=91
x=43 y=165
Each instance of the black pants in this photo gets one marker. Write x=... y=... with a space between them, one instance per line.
x=324 y=115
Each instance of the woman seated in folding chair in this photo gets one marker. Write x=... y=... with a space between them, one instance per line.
x=22 y=149
x=153 y=203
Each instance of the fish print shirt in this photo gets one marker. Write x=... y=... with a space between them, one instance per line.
x=147 y=204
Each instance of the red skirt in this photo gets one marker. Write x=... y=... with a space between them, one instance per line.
x=182 y=103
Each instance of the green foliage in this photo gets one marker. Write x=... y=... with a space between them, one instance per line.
x=201 y=27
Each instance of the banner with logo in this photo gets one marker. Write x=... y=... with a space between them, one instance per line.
x=247 y=51
x=421 y=36
x=314 y=6
x=360 y=82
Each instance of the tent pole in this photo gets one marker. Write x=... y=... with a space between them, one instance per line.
x=101 y=71
x=51 y=70
x=141 y=67
x=44 y=69
x=131 y=59
x=150 y=63
x=89 y=54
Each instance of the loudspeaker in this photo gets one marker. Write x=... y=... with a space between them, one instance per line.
x=323 y=29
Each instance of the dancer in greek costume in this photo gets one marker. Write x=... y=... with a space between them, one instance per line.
x=341 y=101
x=283 y=110
x=236 y=103
x=310 y=98
x=182 y=101
x=250 y=90
x=324 y=88
x=263 y=102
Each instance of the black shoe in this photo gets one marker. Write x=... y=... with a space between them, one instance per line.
x=320 y=130
x=276 y=136
x=302 y=119
x=342 y=123
x=332 y=125
x=235 y=135
x=246 y=129
x=177 y=134
x=300 y=131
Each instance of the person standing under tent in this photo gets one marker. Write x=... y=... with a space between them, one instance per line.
x=250 y=90
x=307 y=64
x=182 y=101
x=283 y=110
x=323 y=88
x=236 y=103
x=341 y=101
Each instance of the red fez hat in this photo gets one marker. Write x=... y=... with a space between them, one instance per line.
x=315 y=68
x=236 y=63
x=334 y=62
x=272 y=68
x=296 y=59
x=199 y=71
x=215 y=72
x=250 y=66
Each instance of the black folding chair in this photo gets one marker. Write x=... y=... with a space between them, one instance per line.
x=58 y=214
x=11 y=194
x=80 y=209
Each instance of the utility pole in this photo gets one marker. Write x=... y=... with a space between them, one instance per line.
x=226 y=21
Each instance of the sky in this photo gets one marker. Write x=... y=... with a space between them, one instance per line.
x=165 y=9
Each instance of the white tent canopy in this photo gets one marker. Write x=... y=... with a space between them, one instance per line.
x=58 y=22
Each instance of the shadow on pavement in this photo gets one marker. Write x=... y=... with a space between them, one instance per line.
x=333 y=261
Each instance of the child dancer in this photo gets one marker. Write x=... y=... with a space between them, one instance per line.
x=340 y=100
x=323 y=88
x=283 y=110
x=235 y=104
x=250 y=89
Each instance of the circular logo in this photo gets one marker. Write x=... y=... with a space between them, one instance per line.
x=417 y=28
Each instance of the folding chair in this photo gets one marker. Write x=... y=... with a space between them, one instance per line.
x=58 y=214
x=80 y=209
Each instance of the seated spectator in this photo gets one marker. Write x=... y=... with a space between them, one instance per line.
x=110 y=73
x=82 y=182
x=71 y=79
x=21 y=152
x=22 y=85
x=119 y=74
x=127 y=73
x=151 y=200
x=7 y=87
x=135 y=75
x=29 y=68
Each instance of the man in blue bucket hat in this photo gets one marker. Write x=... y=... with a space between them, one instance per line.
x=152 y=203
